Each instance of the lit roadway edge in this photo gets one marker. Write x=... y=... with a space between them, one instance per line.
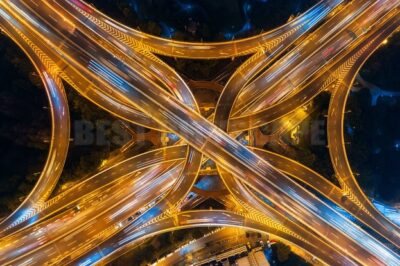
x=100 y=67
x=59 y=139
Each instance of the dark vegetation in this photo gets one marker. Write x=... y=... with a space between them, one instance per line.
x=206 y=20
x=283 y=256
x=374 y=131
x=383 y=67
x=24 y=128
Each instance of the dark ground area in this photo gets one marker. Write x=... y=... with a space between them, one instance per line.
x=24 y=128
x=374 y=131
x=383 y=66
x=207 y=20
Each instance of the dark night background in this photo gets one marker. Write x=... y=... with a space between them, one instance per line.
x=372 y=129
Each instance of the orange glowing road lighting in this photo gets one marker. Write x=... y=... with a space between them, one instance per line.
x=158 y=200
